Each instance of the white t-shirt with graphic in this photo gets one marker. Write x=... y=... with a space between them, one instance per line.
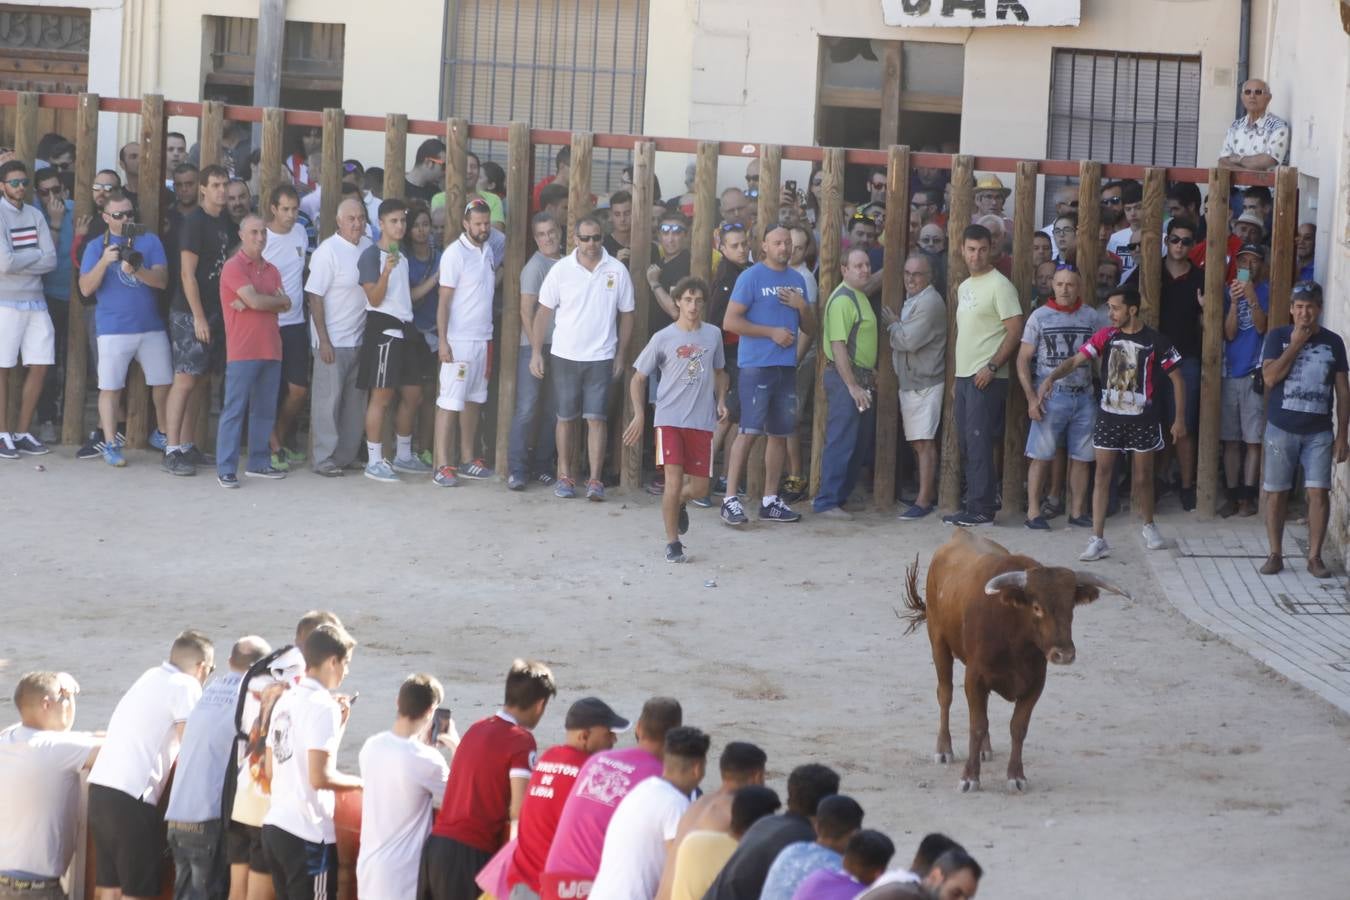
x=305 y=718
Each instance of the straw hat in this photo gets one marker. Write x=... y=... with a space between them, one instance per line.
x=991 y=183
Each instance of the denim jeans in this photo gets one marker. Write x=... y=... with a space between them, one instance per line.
x=200 y=872
x=848 y=434
x=251 y=387
x=534 y=419
x=978 y=418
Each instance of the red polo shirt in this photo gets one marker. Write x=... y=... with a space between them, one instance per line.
x=249 y=333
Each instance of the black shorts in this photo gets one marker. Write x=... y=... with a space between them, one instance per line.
x=448 y=869
x=1138 y=433
x=191 y=356
x=243 y=845
x=128 y=842
x=391 y=362
x=295 y=354
x=301 y=870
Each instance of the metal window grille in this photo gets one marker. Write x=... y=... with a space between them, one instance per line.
x=1119 y=107
x=566 y=64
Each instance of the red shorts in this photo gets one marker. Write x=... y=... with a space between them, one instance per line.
x=689 y=448
x=564 y=887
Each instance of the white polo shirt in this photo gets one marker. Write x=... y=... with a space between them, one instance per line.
x=304 y=718
x=403 y=778
x=470 y=270
x=142 y=742
x=40 y=774
x=584 y=305
x=334 y=276
x=287 y=253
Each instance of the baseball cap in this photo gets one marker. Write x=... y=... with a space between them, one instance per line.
x=1255 y=249
x=589 y=712
x=1253 y=219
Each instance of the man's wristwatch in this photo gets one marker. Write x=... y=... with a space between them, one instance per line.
x=993 y=369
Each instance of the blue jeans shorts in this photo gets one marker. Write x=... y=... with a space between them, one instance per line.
x=1167 y=405
x=582 y=388
x=1286 y=451
x=1067 y=422
x=768 y=400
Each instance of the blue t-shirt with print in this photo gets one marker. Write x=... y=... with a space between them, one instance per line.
x=1301 y=403
x=757 y=290
x=126 y=305
x=1243 y=353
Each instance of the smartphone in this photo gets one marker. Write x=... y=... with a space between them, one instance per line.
x=1244 y=275
x=351 y=701
x=440 y=724
x=792 y=187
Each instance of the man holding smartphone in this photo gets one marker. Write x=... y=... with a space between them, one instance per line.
x=1243 y=422
x=404 y=778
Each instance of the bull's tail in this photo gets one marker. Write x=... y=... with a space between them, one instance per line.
x=917 y=611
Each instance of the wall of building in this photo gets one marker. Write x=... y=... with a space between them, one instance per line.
x=752 y=68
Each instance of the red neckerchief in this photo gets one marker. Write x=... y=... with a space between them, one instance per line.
x=1064 y=309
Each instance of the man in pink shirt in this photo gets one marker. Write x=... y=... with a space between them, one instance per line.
x=604 y=780
x=251 y=295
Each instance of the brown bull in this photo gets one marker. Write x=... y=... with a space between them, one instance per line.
x=1003 y=616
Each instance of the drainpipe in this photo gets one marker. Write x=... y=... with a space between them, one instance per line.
x=1244 y=50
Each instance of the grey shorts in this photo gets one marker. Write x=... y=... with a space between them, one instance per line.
x=1244 y=412
x=1285 y=451
x=191 y=356
x=581 y=388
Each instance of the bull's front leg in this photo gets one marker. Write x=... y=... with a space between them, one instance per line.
x=977 y=698
x=942 y=661
x=1021 y=721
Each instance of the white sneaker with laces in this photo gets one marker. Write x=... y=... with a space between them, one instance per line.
x=1153 y=538
x=1097 y=548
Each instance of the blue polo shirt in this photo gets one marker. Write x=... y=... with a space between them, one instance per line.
x=757 y=290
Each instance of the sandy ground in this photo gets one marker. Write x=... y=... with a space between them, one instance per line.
x=1163 y=763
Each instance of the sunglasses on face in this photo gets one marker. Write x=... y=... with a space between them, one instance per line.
x=672 y=228
x=1111 y=201
x=878 y=185
x=1252 y=92
x=816 y=182
x=105 y=187
x=119 y=216
x=590 y=238
x=61 y=167
x=1183 y=241
x=49 y=192
x=17 y=182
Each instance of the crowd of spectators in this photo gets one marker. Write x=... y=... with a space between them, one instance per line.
x=386 y=322
x=247 y=758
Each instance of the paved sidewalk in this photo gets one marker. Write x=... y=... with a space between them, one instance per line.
x=1294 y=623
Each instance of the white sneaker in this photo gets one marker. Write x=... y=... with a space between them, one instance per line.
x=1097 y=548
x=1153 y=538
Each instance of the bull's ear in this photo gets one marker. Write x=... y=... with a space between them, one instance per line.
x=1011 y=587
x=1090 y=587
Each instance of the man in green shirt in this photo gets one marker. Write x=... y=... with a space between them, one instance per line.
x=850 y=345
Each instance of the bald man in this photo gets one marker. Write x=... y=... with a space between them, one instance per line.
x=193 y=815
x=337 y=312
x=1259 y=140
x=251 y=297
x=40 y=764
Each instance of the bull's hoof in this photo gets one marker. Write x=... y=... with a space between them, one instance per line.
x=1017 y=785
x=969 y=785
x=986 y=755
x=944 y=757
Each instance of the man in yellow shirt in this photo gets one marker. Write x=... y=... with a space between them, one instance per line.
x=988 y=330
x=702 y=854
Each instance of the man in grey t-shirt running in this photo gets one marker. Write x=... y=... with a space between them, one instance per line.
x=690 y=401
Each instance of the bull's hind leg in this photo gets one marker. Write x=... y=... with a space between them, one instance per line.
x=977 y=698
x=1021 y=721
x=942 y=661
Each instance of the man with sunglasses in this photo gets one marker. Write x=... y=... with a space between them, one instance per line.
x=876 y=186
x=1180 y=315
x=27 y=253
x=928 y=203
x=40 y=764
x=427 y=176
x=60 y=212
x=1259 y=140
x=1113 y=203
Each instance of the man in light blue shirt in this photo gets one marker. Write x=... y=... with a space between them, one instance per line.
x=838 y=818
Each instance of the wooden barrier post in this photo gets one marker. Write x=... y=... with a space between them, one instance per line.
x=209 y=140
x=330 y=171
x=958 y=217
x=152 y=176
x=1015 y=420
x=578 y=186
x=517 y=252
x=644 y=161
x=1283 y=232
x=1150 y=244
x=456 y=181
x=396 y=156
x=77 y=335
x=1089 y=220
x=705 y=212
x=887 y=398
x=766 y=214
x=831 y=229
x=211 y=128
x=272 y=159
x=25 y=149
x=1211 y=348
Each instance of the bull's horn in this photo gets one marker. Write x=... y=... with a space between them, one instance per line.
x=998 y=583
x=1087 y=579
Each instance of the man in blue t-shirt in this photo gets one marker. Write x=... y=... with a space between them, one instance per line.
x=123 y=276
x=767 y=308
x=1245 y=307
x=1303 y=365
